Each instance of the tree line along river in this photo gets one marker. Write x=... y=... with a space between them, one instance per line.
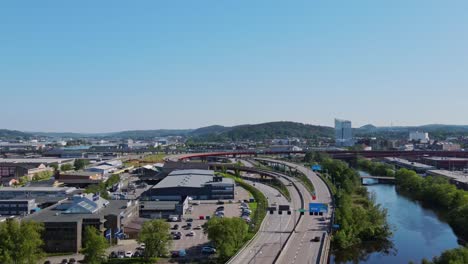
x=418 y=232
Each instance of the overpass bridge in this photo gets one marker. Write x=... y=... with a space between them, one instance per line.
x=380 y=179
x=333 y=153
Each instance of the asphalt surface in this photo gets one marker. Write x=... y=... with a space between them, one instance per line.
x=300 y=248
x=275 y=229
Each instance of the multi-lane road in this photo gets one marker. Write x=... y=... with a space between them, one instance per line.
x=271 y=244
x=301 y=249
x=272 y=236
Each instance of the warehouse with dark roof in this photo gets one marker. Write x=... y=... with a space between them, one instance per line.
x=198 y=184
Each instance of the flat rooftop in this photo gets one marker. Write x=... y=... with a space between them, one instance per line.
x=51 y=215
x=35 y=160
x=38 y=189
x=409 y=163
x=190 y=178
x=446 y=158
x=458 y=176
x=192 y=172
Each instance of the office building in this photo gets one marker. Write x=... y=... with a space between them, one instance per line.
x=343 y=133
x=64 y=223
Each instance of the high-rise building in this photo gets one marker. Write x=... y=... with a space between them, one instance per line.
x=423 y=137
x=343 y=133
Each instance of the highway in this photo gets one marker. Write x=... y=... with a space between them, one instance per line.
x=300 y=249
x=274 y=231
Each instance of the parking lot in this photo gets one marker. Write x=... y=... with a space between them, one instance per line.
x=193 y=244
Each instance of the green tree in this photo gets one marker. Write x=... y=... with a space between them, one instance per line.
x=95 y=245
x=227 y=234
x=80 y=164
x=55 y=166
x=454 y=256
x=20 y=242
x=155 y=234
x=66 y=167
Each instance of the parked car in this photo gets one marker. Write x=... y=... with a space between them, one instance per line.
x=202 y=217
x=137 y=254
x=175 y=227
x=196 y=202
x=72 y=261
x=189 y=220
x=111 y=255
x=174 y=219
x=220 y=202
x=208 y=250
x=121 y=254
x=182 y=253
x=316 y=239
x=220 y=208
x=128 y=254
x=175 y=254
x=47 y=262
x=64 y=261
x=197 y=228
x=191 y=233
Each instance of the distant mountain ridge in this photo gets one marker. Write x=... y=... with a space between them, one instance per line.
x=270 y=130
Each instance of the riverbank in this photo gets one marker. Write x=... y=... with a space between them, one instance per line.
x=418 y=232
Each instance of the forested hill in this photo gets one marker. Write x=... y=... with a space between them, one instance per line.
x=13 y=134
x=263 y=131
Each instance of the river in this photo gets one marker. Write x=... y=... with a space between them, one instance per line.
x=418 y=232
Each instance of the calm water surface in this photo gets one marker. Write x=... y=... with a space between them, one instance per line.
x=419 y=233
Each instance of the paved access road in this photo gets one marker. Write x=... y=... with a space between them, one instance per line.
x=300 y=248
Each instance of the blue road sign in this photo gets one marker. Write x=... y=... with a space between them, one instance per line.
x=318 y=207
x=316 y=167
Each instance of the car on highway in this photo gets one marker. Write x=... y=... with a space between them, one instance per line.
x=208 y=250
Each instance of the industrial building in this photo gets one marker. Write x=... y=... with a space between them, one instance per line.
x=447 y=163
x=198 y=184
x=14 y=171
x=163 y=209
x=402 y=163
x=79 y=179
x=458 y=178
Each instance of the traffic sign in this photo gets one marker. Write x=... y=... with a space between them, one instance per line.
x=318 y=207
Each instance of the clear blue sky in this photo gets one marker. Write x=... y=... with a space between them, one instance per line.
x=98 y=66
